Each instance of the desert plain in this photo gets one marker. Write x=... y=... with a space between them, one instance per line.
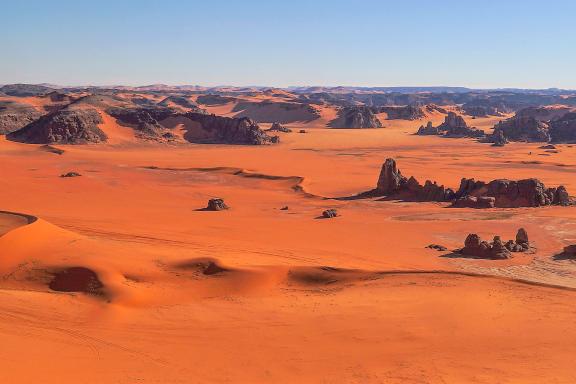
x=269 y=291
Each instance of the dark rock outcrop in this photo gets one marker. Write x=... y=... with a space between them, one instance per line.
x=392 y=184
x=229 y=130
x=522 y=128
x=501 y=193
x=563 y=130
x=356 y=117
x=66 y=126
x=497 y=250
x=145 y=120
x=14 y=116
x=498 y=139
x=429 y=129
x=216 y=204
x=437 y=247
x=453 y=126
x=24 y=90
x=407 y=112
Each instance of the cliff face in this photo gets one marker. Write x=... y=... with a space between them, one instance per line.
x=66 y=126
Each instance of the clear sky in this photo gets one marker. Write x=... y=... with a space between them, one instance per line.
x=474 y=43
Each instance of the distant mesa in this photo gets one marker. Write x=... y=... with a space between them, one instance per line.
x=214 y=99
x=453 y=126
x=356 y=117
x=501 y=193
x=406 y=112
x=25 y=90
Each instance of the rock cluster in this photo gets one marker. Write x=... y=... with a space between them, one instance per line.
x=471 y=193
x=70 y=174
x=453 y=126
x=506 y=193
x=356 y=117
x=391 y=183
x=497 y=250
x=522 y=128
x=14 y=116
x=144 y=119
x=216 y=204
x=66 y=126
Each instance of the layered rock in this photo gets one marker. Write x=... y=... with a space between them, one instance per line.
x=563 y=130
x=67 y=126
x=356 y=117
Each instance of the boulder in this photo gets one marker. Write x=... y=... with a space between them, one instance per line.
x=70 y=174
x=437 y=247
x=277 y=127
x=329 y=213
x=216 y=204
x=429 y=129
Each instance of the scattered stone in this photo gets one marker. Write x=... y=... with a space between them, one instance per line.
x=71 y=174
x=437 y=247
x=284 y=208
x=329 y=213
x=302 y=131
x=216 y=204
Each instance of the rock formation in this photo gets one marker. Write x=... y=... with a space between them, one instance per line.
x=523 y=128
x=277 y=127
x=407 y=112
x=498 y=139
x=356 y=117
x=14 y=116
x=563 y=130
x=143 y=119
x=216 y=204
x=391 y=183
x=70 y=174
x=429 y=129
x=497 y=250
x=66 y=126
x=471 y=193
x=228 y=130
x=453 y=126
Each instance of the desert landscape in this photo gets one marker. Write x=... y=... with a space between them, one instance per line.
x=169 y=234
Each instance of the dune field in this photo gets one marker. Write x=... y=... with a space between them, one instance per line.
x=122 y=276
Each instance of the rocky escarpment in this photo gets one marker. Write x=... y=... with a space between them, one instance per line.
x=14 y=116
x=230 y=130
x=182 y=102
x=453 y=126
x=407 y=112
x=356 y=117
x=67 y=126
x=563 y=130
x=471 y=194
x=522 y=128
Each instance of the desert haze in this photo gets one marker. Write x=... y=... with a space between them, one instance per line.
x=178 y=234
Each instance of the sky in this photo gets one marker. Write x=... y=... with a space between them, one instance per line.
x=473 y=43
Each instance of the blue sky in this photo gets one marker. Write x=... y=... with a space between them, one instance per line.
x=482 y=43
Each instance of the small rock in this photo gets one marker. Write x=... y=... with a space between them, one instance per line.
x=216 y=204
x=71 y=174
x=302 y=131
x=329 y=213
x=437 y=247
x=285 y=208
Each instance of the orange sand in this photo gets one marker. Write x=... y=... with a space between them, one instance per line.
x=274 y=315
